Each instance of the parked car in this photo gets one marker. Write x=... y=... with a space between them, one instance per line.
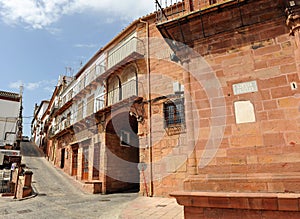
x=25 y=138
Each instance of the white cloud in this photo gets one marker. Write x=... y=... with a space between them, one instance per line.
x=85 y=45
x=129 y=9
x=35 y=13
x=15 y=85
x=54 y=31
x=32 y=86
x=49 y=89
x=39 y=14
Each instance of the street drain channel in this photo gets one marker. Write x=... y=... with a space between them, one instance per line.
x=125 y=196
x=104 y=200
x=42 y=194
x=161 y=206
x=24 y=211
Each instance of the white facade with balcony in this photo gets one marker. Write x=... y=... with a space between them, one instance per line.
x=94 y=88
x=38 y=123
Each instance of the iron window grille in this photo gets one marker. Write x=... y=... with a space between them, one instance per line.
x=174 y=113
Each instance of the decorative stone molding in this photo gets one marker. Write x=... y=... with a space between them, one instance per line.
x=293 y=19
x=237 y=205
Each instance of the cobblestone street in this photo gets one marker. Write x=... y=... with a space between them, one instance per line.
x=59 y=198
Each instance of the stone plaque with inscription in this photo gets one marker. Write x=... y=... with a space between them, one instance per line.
x=245 y=87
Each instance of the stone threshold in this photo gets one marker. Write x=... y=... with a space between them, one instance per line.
x=239 y=200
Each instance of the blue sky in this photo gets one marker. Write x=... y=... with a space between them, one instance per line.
x=40 y=38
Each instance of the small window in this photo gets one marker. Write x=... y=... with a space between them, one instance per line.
x=211 y=2
x=174 y=113
x=125 y=138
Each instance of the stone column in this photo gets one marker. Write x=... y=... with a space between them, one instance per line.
x=28 y=178
x=91 y=158
x=103 y=162
x=293 y=22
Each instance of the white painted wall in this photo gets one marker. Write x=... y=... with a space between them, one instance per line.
x=9 y=114
x=39 y=123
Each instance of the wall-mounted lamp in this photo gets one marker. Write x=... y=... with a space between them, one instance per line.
x=138 y=118
x=174 y=57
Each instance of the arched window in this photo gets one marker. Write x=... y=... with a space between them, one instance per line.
x=113 y=95
x=129 y=82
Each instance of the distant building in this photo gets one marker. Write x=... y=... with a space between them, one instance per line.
x=42 y=132
x=38 y=122
x=10 y=119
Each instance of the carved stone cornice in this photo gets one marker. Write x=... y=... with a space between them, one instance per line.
x=293 y=19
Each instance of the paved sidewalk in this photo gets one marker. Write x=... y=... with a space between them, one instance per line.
x=145 y=207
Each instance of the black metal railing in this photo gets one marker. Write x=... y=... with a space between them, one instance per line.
x=123 y=50
x=167 y=9
x=292 y=6
x=114 y=56
x=127 y=90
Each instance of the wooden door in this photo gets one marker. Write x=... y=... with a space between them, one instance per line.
x=85 y=163
x=96 y=164
x=74 y=162
x=62 y=159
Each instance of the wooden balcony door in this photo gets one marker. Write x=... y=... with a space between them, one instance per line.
x=96 y=164
x=85 y=163
x=74 y=162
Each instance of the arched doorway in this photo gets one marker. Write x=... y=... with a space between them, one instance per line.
x=122 y=152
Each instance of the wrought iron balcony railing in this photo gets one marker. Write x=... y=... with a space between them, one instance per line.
x=166 y=9
x=169 y=9
x=114 y=57
x=126 y=90
x=119 y=54
x=123 y=50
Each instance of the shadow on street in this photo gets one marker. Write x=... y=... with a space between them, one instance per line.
x=29 y=149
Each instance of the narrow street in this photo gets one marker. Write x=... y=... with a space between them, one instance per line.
x=57 y=196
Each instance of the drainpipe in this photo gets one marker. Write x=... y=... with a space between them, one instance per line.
x=149 y=109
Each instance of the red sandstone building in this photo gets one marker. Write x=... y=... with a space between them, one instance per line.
x=199 y=100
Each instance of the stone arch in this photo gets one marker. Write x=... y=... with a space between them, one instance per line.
x=122 y=155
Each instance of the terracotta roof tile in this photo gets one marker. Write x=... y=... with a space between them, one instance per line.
x=9 y=95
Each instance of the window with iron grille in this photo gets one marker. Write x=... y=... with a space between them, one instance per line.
x=174 y=113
